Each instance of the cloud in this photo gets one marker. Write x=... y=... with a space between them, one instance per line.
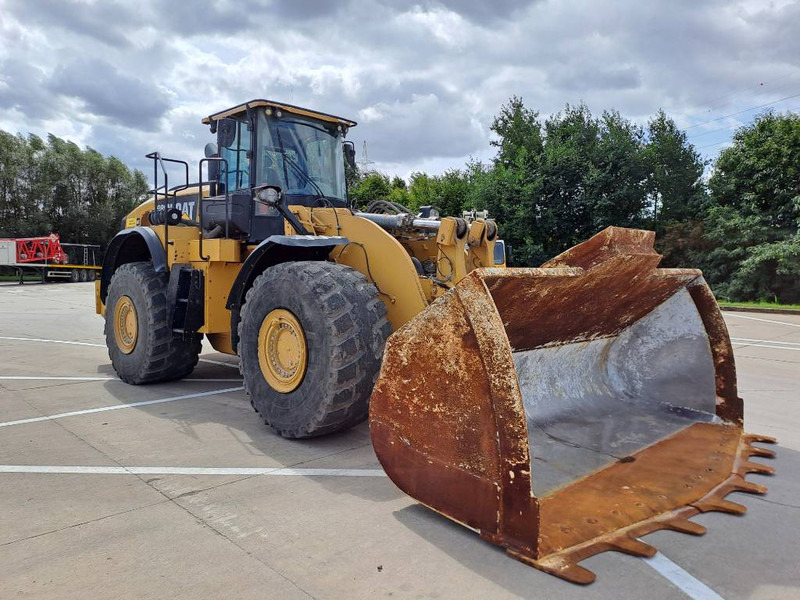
x=423 y=77
x=20 y=89
x=105 y=91
x=108 y=21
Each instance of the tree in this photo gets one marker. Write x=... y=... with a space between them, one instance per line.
x=371 y=186
x=55 y=186
x=754 y=218
x=555 y=184
x=675 y=171
x=519 y=130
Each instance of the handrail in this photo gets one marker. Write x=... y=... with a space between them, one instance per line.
x=200 y=201
x=159 y=160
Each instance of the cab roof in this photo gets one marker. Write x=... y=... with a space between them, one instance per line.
x=298 y=110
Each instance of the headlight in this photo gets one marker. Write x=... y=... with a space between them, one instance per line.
x=269 y=195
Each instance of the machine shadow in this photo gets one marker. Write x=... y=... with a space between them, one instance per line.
x=251 y=436
x=733 y=543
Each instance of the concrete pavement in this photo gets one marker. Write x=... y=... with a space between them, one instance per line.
x=223 y=534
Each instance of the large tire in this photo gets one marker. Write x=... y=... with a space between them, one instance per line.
x=154 y=354
x=344 y=325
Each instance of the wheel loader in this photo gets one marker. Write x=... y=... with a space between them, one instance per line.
x=558 y=411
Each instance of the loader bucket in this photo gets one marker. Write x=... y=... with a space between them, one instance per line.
x=568 y=410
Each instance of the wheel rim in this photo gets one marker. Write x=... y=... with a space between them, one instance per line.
x=126 y=324
x=282 y=353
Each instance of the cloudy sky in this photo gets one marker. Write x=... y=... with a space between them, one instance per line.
x=423 y=78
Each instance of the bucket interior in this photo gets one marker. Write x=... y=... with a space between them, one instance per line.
x=592 y=402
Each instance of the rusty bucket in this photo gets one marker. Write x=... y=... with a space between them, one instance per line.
x=567 y=410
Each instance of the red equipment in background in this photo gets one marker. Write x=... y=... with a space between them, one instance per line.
x=41 y=249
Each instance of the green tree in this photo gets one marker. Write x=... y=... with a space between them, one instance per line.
x=754 y=220
x=677 y=197
x=370 y=187
x=518 y=130
x=55 y=186
x=555 y=184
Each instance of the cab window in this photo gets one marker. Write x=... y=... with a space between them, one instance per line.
x=236 y=154
x=499 y=252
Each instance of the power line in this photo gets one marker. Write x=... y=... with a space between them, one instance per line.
x=715 y=131
x=763 y=84
x=714 y=144
x=742 y=111
x=730 y=137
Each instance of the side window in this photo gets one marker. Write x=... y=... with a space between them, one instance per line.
x=499 y=252
x=238 y=163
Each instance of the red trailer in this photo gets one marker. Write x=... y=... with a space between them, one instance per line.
x=48 y=256
x=40 y=249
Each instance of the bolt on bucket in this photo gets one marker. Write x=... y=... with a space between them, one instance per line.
x=567 y=410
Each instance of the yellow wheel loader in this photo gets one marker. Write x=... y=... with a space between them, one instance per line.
x=558 y=411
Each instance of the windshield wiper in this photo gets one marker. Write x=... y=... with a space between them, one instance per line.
x=297 y=169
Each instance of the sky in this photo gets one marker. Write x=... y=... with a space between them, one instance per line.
x=424 y=78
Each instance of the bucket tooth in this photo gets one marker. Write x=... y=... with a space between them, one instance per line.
x=750 y=487
x=752 y=467
x=758 y=451
x=568 y=410
x=632 y=546
x=561 y=567
x=720 y=505
x=685 y=526
x=764 y=439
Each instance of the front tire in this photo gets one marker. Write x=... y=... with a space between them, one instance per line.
x=311 y=340
x=139 y=338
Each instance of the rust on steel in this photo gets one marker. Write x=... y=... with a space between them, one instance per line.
x=454 y=428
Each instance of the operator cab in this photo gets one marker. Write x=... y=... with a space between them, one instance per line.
x=263 y=145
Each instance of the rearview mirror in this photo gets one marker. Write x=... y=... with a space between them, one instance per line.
x=226 y=132
x=350 y=154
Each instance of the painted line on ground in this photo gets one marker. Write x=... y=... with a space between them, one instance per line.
x=22 y=339
x=751 y=345
x=791 y=344
x=93 y=345
x=66 y=378
x=727 y=314
x=682 y=579
x=278 y=471
x=219 y=362
x=89 y=411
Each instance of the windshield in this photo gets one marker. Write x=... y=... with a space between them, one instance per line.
x=302 y=156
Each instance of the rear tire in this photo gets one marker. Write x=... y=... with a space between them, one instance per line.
x=343 y=326
x=139 y=339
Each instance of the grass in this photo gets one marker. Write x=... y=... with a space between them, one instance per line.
x=759 y=305
x=28 y=277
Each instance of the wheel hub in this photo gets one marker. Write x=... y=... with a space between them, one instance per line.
x=126 y=324
x=282 y=353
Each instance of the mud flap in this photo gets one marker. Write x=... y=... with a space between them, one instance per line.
x=567 y=410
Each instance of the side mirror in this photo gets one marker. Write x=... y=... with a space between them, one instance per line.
x=212 y=151
x=226 y=132
x=350 y=154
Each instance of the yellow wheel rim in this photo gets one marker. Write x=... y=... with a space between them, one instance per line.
x=282 y=353
x=126 y=324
